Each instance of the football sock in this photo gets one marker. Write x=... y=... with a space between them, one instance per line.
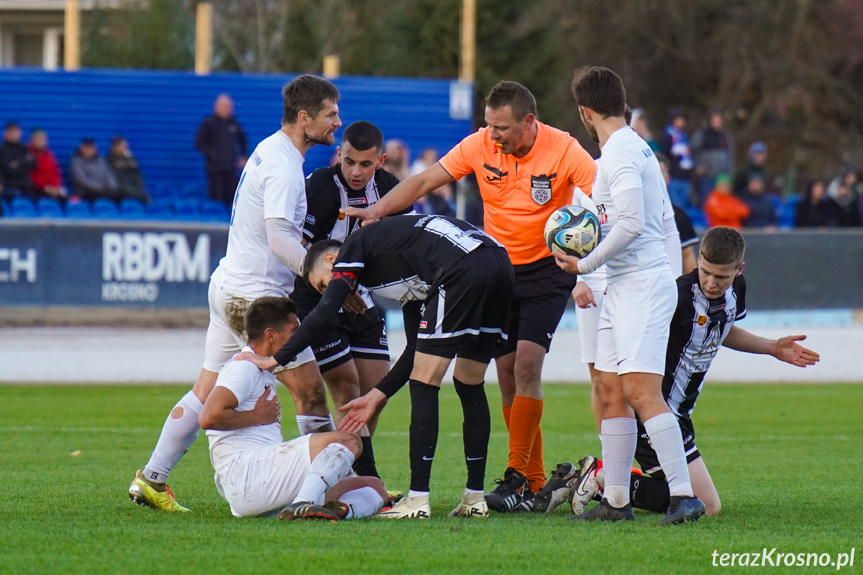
x=364 y=465
x=176 y=438
x=524 y=418
x=619 y=437
x=476 y=431
x=315 y=424
x=331 y=465
x=362 y=502
x=649 y=493
x=423 y=433
x=667 y=442
x=535 y=467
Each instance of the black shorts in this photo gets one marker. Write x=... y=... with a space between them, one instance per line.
x=466 y=313
x=361 y=336
x=646 y=456
x=542 y=291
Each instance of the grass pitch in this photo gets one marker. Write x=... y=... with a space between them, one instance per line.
x=787 y=461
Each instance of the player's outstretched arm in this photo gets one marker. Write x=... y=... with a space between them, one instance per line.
x=360 y=410
x=784 y=349
x=403 y=195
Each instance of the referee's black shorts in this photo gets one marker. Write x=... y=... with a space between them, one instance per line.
x=542 y=291
x=646 y=456
x=466 y=313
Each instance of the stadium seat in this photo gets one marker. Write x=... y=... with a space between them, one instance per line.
x=166 y=193
x=22 y=208
x=788 y=212
x=78 y=210
x=49 y=208
x=187 y=210
x=194 y=190
x=105 y=209
x=131 y=209
x=159 y=210
x=697 y=217
x=212 y=211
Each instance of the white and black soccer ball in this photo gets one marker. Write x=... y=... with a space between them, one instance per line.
x=572 y=230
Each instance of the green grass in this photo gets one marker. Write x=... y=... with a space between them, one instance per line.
x=787 y=461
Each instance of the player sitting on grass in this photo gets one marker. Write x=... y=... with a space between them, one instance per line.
x=709 y=300
x=455 y=284
x=257 y=472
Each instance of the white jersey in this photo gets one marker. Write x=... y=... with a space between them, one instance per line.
x=597 y=279
x=247 y=383
x=628 y=163
x=272 y=186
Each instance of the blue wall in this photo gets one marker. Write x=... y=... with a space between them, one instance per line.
x=158 y=112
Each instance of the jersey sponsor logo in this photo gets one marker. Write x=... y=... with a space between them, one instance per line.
x=256 y=159
x=349 y=278
x=424 y=324
x=540 y=188
x=361 y=201
x=647 y=152
x=702 y=319
x=715 y=308
x=310 y=219
x=384 y=341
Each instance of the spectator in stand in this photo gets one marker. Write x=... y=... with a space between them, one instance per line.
x=398 y=159
x=639 y=124
x=755 y=165
x=16 y=162
x=91 y=175
x=713 y=153
x=817 y=209
x=222 y=142
x=127 y=171
x=762 y=211
x=440 y=202
x=844 y=191
x=675 y=145
x=723 y=208
x=45 y=175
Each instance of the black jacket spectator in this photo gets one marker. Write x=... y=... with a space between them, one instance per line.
x=127 y=171
x=16 y=162
x=222 y=142
x=816 y=209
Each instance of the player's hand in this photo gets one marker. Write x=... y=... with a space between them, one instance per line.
x=360 y=410
x=569 y=264
x=265 y=363
x=583 y=296
x=355 y=303
x=366 y=215
x=788 y=350
x=268 y=410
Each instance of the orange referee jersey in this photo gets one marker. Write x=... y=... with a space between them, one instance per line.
x=519 y=194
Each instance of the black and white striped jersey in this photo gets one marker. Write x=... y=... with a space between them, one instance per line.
x=697 y=331
x=401 y=257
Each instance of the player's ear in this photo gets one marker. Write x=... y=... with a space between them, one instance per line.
x=381 y=161
x=339 y=153
x=740 y=269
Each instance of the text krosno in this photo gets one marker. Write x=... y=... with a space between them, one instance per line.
x=774 y=558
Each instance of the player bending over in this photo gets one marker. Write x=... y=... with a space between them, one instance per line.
x=257 y=472
x=455 y=285
x=710 y=299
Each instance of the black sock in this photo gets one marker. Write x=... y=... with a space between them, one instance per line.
x=649 y=493
x=364 y=465
x=423 y=433
x=476 y=430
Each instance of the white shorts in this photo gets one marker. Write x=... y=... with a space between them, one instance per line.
x=633 y=325
x=226 y=335
x=262 y=481
x=588 y=323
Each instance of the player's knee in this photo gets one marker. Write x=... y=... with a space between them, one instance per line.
x=350 y=440
x=342 y=388
x=528 y=371
x=713 y=508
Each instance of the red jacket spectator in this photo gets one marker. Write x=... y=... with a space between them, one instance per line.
x=46 y=175
x=724 y=209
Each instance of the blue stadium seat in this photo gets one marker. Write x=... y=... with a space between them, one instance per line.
x=105 y=209
x=49 y=208
x=132 y=209
x=697 y=217
x=4 y=208
x=78 y=210
x=166 y=193
x=187 y=210
x=194 y=190
x=22 y=208
x=777 y=202
x=212 y=211
x=788 y=212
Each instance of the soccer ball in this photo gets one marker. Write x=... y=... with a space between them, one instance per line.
x=572 y=230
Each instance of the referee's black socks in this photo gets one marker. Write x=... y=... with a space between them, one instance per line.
x=476 y=430
x=423 y=433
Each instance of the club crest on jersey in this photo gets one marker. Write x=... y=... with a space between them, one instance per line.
x=702 y=319
x=540 y=188
x=341 y=216
x=424 y=324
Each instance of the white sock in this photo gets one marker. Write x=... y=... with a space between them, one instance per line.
x=473 y=491
x=328 y=468
x=412 y=493
x=362 y=502
x=177 y=437
x=315 y=424
x=619 y=438
x=667 y=442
